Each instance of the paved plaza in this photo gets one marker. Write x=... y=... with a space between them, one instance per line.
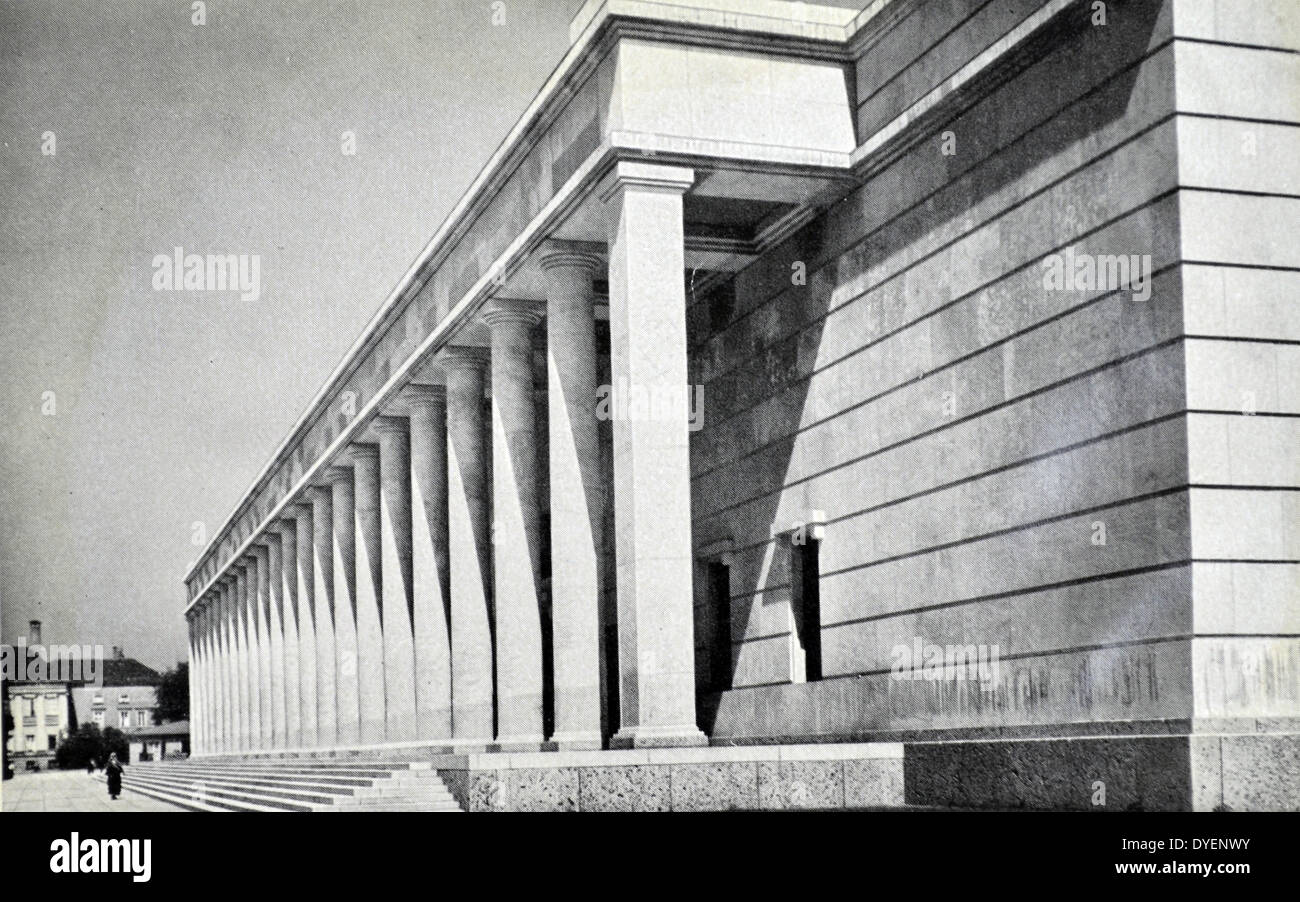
x=59 y=790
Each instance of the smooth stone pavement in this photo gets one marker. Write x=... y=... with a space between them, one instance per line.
x=72 y=790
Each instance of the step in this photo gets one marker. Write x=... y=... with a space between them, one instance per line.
x=398 y=796
x=243 y=798
x=441 y=807
x=184 y=800
x=308 y=791
x=360 y=771
x=300 y=763
x=293 y=785
x=384 y=791
x=287 y=781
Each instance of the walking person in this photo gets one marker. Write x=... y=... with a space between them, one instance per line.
x=114 y=772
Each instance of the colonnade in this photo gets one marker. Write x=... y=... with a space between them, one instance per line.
x=397 y=599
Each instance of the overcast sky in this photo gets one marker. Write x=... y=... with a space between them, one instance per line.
x=220 y=138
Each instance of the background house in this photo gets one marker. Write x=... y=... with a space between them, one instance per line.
x=163 y=741
x=41 y=716
x=127 y=699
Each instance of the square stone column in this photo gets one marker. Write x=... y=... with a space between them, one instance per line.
x=397 y=595
x=347 y=687
x=368 y=592
x=287 y=530
x=322 y=569
x=469 y=550
x=516 y=525
x=652 y=488
x=430 y=575
x=577 y=493
x=307 y=664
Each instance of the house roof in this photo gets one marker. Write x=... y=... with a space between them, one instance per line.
x=129 y=672
x=176 y=728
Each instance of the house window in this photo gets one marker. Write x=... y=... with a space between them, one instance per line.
x=140 y=718
x=805 y=607
x=98 y=717
x=53 y=742
x=29 y=707
x=124 y=718
x=124 y=699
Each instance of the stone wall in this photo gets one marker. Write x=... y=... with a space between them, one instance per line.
x=1001 y=462
x=711 y=779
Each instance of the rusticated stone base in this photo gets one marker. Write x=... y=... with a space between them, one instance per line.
x=1199 y=772
x=865 y=775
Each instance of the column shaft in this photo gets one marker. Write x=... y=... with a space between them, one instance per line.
x=345 y=611
x=469 y=551
x=429 y=564
x=263 y=609
x=195 y=671
x=327 y=704
x=368 y=575
x=208 y=686
x=210 y=724
x=227 y=652
x=516 y=542
x=246 y=697
x=577 y=498
x=307 y=664
x=275 y=618
x=395 y=549
x=288 y=530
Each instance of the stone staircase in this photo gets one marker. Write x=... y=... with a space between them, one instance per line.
x=300 y=784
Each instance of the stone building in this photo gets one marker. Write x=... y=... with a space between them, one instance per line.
x=126 y=696
x=39 y=705
x=156 y=743
x=40 y=714
x=900 y=403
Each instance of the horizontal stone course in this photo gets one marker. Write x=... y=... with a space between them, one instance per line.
x=701 y=779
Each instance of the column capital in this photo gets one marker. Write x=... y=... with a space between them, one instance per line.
x=299 y=510
x=560 y=254
x=335 y=474
x=417 y=393
x=464 y=357
x=503 y=311
x=363 y=452
x=654 y=176
x=390 y=425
